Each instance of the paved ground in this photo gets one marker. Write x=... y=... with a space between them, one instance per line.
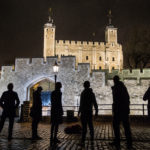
x=103 y=136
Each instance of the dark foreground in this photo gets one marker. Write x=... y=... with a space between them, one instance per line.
x=103 y=136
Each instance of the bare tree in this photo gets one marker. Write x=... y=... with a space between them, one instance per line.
x=137 y=48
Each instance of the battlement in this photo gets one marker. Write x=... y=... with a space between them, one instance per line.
x=7 y=69
x=70 y=61
x=79 y=43
x=37 y=61
x=51 y=60
x=129 y=74
x=22 y=61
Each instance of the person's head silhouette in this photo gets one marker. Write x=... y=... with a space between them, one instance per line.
x=116 y=79
x=58 y=85
x=10 y=86
x=86 y=84
x=39 y=89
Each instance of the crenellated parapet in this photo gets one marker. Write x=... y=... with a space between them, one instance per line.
x=7 y=69
x=78 y=43
x=126 y=74
x=25 y=65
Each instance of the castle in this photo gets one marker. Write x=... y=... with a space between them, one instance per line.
x=100 y=55
x=91 y=61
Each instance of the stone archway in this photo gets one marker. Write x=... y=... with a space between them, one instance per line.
x=36 y=83
x=48 y=86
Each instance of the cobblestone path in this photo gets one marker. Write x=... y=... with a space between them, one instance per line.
x=103 y=136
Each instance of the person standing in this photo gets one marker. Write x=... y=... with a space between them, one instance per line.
x=36 y=112
x=147 y=97
x=121 y=111
x=56 y=112
x=9 y=102
x=87 y=100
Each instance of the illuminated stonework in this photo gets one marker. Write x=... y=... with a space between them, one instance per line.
x=28 y=73
x=100 y=55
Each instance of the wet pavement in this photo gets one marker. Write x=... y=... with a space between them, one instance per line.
x=103 y=137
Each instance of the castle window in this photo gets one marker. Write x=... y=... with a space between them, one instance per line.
x=100 y=68
x=52 y=29
x=113 y=68
x=100 y=58
x=113 y=59
x=87 y=57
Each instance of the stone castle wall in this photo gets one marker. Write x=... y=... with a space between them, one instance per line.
x=28 y=72
x=97 y=53
x=100 y=55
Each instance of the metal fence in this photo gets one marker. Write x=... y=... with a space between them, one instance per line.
x=104 y=109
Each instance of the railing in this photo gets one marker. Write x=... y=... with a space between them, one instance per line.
x=135 y=109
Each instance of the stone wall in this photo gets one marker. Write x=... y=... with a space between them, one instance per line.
x=28 y=72
x=95 y=53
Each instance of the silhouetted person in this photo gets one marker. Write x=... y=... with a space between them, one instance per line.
x=87 y=100
x=9 y=102
x=36 y=112
x=147 y=97
x=56 y=112
x=121 y=110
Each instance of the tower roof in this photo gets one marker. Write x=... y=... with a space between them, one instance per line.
x=50 y=22
x=109 y=18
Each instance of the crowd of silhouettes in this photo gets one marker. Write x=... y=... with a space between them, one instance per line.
x=9 y=102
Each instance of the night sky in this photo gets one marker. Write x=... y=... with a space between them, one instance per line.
x=22 y=21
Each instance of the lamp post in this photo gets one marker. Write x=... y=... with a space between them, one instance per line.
x=55 y=69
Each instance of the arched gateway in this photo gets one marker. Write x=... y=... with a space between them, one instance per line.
x=48 y=86
x=46 y=83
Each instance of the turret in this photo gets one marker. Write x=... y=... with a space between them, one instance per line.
x=110 y=31
x=49 y=38
x=113 y=51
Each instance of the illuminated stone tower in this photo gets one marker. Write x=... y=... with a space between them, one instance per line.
x=49 y=38
x=111 y=34
x=113 y=51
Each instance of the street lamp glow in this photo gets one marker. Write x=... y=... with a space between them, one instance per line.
x=55 y=67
